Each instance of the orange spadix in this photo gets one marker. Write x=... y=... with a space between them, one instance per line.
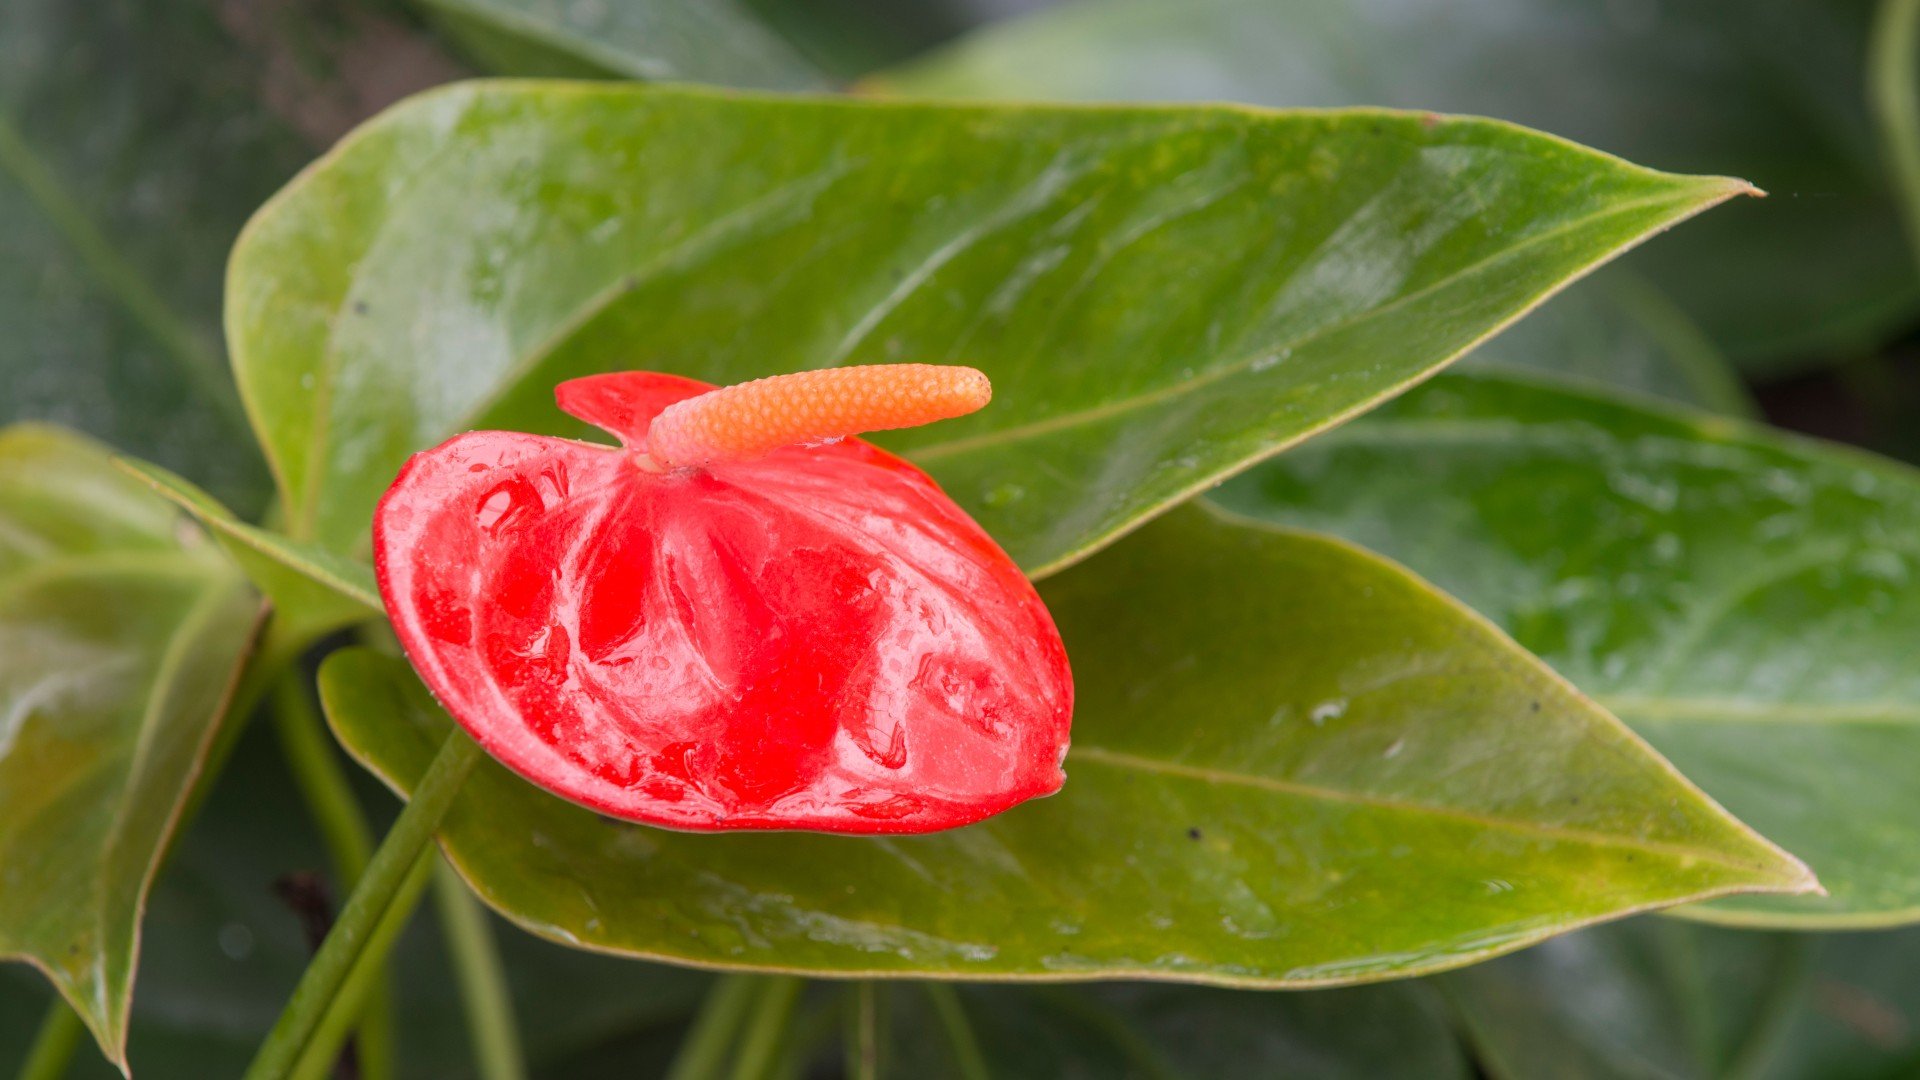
x=739 y=423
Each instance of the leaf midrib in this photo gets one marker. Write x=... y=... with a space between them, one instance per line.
x=1082 y=753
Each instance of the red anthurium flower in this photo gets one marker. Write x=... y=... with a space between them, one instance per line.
x=737 y=620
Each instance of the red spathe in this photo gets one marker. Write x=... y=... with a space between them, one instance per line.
x=814 y=639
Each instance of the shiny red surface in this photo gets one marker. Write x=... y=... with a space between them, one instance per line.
x=816 y=639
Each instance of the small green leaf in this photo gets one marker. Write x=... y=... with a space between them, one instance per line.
x=313 y=588
x=1293 y=764
x=1748 y=601
x=122 y=630
x=1768 y=89
x=710 y=41
x=220 y=949
x=1161 y=295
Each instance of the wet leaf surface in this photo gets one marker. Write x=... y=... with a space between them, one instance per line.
x=122 y=629
x=1767 y=90
x=1747 y=600
x=1161 y=296
x=315 y=589
x=1293 y=764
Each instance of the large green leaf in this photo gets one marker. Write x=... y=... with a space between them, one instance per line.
x=1293 y=764
x=1397 y=1031
x=713 y=41
x=1769 y=89
x=1748 y=601
x=1617 y=331
x=122 y=629
x=1161 y=295
x=313 y=590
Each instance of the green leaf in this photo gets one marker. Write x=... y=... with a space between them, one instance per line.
x=122 y=630
x=221 y=951
x=1616 y=331
x=1767 y=89
x=1643 y=998
x=1146 y=1030
x=130 y=155
x=1748 y=601
x=1293 y=764
x=712 y=41
x=1161 y=295
x=315 y=589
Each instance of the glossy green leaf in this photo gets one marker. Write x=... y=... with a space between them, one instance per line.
x=1768 y=89
x=1618 y=332
x=711 y=41
x=220 y=951
x=1293 y=764
x=1160 y=1032
x=128 y=161
x=1161 y=295
x=313 y=588
x=122 y=629
x=1748 y=601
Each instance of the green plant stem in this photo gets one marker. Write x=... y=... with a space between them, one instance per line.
x=482 y=978
x=767 y=1027
x=385 y=875
x=129 y=286
x=953 y=1017
x=706 y=1045
x=863 y=1031
x=368 y=976
x=55 y=1043
x=324 y=786
x=1892 y=88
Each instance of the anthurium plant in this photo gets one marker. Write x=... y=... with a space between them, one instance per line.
x=880 y=584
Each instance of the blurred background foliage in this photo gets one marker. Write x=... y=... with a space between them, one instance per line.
x=136 y=138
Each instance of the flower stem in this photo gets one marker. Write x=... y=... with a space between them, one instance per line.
x=324 y=786
x=767 y=1027
x=1895 y=94
x=705 y=1048
x=53 y=1047
x=317 y=1061
x=371 y=899
x=482 y=978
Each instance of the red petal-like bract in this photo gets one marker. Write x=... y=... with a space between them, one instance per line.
x=814 y=639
